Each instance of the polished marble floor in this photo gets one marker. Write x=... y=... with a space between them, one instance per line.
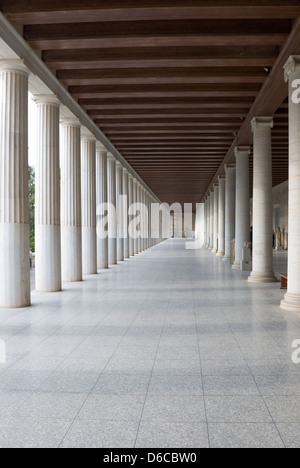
x=169 y=349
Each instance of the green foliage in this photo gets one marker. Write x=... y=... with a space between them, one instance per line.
x=31 y=187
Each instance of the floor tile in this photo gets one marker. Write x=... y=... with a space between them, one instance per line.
x=52 y=405
x=101 y=434
x=235 y=409
x=290 y=434
x=179 y=408
x=244 y=436
x=230 y=385
x=113 y=407
x=172 y=435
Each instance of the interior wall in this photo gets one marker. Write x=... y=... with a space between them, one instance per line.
x=281 y=203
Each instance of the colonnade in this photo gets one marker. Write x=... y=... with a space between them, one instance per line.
x=227 y=206
x=75 y=175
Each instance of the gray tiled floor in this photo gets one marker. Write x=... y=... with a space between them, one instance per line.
x=170 y=349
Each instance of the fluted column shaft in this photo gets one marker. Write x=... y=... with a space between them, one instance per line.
x=208 y=221
x=262 y=202
x=291 y=301
x=135 y=201
x=71 y=231
x=101 y=200
x=230 y=190
x=47 y=217
x=112 y=221
x=14 y=210
x=216 y=218
x=242 y=225
x=139 y=197
x=89 y=219
x=211 y=220
x=120 y=214
x=125 y=213
x=205 y=223
x=221 y=218
x=130 y=202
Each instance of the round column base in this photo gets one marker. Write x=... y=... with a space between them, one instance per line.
x=291 y=302
x=214 y=251
x=236 y=266
x=220 y=254
x=262 y=278
x=226 y=258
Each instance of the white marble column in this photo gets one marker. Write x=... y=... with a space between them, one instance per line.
x=125 y=212
x=242 y=212
x=221 y=218
x=71 y=231
x=14 y=208
x=47 y=197
x=112 y=221
x=230 y=190
x=139 y=197
x=135 y=200
x=291 y=301
x=211 y=220
x=130 y=202
x=101 y=199
x=119 y=206
x=205 y=223
x=216 y=218
x=88 y=200
x=262 y=202
x=208 y=222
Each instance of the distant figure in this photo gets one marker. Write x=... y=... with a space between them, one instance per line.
x=30 y=259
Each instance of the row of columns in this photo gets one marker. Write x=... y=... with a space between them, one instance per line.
x=74 y=175
x=227 y=207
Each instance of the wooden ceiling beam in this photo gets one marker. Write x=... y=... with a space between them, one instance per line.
x=72 y=11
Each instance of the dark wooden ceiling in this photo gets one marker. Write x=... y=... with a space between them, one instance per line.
x=173 y=84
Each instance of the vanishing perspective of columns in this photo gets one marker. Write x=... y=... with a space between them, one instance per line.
x=242 y=212
x=88 y=197
x=14 y=208
x=47 y=196
x=71 y=231
x=101 y=201
x=291 y=301
x=262 y=202
x=221 y=218
x=230 y=189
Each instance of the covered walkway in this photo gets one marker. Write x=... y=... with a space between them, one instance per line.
x=172 y=348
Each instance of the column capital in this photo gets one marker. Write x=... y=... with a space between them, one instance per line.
x=87 y=135
x=130 y=176
x=230 y=166
x=14 y=65
x=242 y=150
x=100 y=148
x=68 y=122
x=125 y=171
x=258 y=122
x=292 y=64
x=46 y=99
x=221 y=177
x=110 y=157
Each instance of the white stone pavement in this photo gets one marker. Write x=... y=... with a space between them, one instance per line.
x=171 y=348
